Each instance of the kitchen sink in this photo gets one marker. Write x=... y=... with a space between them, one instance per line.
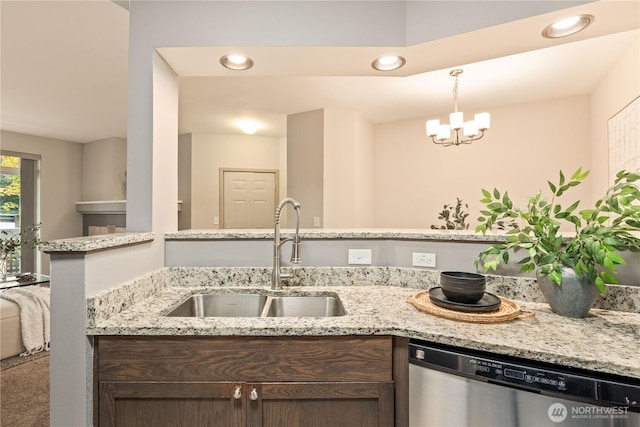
x=258 y=305
x=304 y=306
x=221 y=305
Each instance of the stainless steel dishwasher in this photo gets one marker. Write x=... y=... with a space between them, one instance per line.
x=450 y=386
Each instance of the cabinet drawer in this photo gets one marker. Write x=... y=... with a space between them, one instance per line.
x=252 y=359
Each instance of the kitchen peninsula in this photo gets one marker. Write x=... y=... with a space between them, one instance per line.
x=374 y=297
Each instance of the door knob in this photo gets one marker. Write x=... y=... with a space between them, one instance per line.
x=237 y=393
x=254 y=394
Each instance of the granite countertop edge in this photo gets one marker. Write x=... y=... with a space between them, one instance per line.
x=95 y=243
x=332 y=234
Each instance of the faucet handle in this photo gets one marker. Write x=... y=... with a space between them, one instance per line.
x=296 y=257
x=285 y=276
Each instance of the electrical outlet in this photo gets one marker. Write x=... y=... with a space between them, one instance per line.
x=360 y=256
x=316 y=221
x=424 y=260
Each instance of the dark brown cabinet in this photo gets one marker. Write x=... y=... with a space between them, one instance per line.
x=169 y=404
x=251 y=381
x=322 y=404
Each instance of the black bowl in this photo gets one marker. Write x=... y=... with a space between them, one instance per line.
x=462 y=287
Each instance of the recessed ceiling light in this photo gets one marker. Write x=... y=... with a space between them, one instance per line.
x=388 y=63
x=249 y=126
x=236 y=62
x=568 y=26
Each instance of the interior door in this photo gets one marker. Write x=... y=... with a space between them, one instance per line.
x=248 y=198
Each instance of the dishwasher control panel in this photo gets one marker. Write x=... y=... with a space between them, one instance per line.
x=539 y=379
x=529 y=377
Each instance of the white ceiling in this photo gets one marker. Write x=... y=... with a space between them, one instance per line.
x=64 y=69
x=64 y=72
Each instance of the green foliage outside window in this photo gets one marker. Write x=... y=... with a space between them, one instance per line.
x=10 y=186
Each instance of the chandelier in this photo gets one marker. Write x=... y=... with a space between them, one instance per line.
x=472 y=130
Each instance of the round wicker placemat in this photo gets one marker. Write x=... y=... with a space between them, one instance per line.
x=508 y=310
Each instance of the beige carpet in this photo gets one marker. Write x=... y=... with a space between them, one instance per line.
x=24 y=391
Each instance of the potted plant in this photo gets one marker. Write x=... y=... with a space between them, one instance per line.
x=454 y=217
x=570 y=268
x=9 y=245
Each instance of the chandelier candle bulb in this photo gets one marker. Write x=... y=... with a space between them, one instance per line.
x=470 y=128
x=444 y=132
x=432 y=127
x=456 y=120
x=483 y=120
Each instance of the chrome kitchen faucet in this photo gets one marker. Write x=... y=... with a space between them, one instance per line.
x=276 y=275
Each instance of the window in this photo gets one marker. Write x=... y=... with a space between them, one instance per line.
x=18 y=204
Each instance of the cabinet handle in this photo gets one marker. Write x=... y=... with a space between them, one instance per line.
x=254 y=394
x=237 y=393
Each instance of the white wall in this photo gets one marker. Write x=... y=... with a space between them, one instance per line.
x=330 y=167
x=215 y=23
x=60 y=183
x=78 y=276
x=414 y=178
x=290 y=24
x=618 y=88
x=104 y=165
x=211 y=152
x=164 y=189
x=305 y=164
x=364 y=173
x=348 y=170
x=184 y=181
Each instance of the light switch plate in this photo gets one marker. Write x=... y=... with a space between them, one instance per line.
x=360 y=256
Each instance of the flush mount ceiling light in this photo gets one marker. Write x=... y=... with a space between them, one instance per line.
x=236 y=62
x=388 y=63
x=567 y=26
x=473 y=130
x=249 y=126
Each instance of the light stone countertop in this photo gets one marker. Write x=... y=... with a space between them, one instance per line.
x=94 y=243
x=107 y=241
x=351 y=233
x=605 y=341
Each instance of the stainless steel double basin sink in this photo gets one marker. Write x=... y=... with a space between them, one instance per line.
x=259 y=305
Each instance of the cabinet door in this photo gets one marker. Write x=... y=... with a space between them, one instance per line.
x=157 y=404
x=322 y=404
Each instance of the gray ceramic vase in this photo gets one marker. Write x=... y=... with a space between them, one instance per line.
x=574 y=298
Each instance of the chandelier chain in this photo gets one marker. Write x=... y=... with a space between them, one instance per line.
x=455 y=94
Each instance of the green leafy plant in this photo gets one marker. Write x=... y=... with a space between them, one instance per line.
x=601 y=233
x=28 y=237
x=454 y=217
